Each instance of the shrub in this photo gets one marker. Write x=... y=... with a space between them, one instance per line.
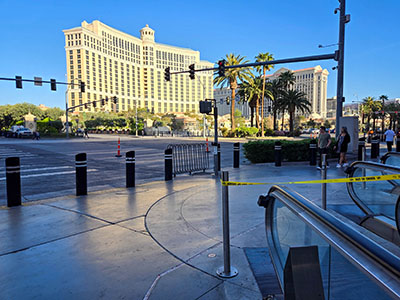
x=246 y=131
x=263 y=151
x=269 y=132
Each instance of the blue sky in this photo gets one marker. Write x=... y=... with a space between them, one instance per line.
x=32 y=41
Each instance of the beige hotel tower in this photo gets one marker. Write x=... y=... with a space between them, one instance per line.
x=113 y=63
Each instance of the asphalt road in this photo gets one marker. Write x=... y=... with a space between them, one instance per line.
x=48 y=165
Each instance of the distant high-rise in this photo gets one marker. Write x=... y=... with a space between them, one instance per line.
x=113 y=63
x=313 y=82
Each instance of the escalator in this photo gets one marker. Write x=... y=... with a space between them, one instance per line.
x=351 y=264
x=377 y=200
x=391 y=158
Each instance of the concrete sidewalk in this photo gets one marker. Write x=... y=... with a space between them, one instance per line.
x=160 y=240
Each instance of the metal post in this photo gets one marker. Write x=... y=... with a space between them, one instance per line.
x=66 y=115
x=13 y=179
x=168 y=164
x=226 y=271
x=215 y=144
x=323 y=177
x=136 y=127
x=219 y=156
x=397 y=144
x=374 y=148
x=81 y=174
x=278 y=154
x=340 y=69
x=313 y=154
x=130 y=168
x=363 y=169
x=361 y=146
x=236 y=155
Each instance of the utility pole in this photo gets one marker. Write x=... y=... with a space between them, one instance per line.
x=343 y=19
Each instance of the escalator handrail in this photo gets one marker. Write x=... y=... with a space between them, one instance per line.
x=380 y=258
x=372 y=166
x=388 y=154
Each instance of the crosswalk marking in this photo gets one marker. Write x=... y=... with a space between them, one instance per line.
x=49 y=174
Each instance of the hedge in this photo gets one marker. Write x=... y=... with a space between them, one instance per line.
x=263 y=151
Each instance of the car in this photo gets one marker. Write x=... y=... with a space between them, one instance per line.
x=23 y=132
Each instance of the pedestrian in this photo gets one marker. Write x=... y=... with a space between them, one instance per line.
x=324 y=140
x=389 y=135
x=85 y=132
x=37 y=135
x=341 y=147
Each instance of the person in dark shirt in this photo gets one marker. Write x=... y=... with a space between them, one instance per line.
x=341 y=147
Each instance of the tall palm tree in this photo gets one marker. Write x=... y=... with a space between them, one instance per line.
x=261 y=57
x=383 y=98
x=275 y=87
x=287 y=79
x=232 y=77
x=292 y=100
x=248 y=94
x=368 y=103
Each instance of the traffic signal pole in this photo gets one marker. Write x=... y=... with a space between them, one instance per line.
x=216 y=162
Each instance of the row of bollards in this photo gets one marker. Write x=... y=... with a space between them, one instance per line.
x=13 y=176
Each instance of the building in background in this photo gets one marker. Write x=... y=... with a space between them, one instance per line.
x=114 y=63
x=331 y=105
x=313 y=82
x=222 y=94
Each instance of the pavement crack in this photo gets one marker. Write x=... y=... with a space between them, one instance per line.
x=53 y=240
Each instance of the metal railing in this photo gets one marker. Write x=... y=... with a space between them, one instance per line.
x=286 y=209
x=188 y=158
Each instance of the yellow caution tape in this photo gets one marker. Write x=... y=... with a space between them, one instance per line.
x=336 y=180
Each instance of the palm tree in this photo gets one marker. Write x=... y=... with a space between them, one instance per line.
x=232 y=76
x=292 y=100
x=275 y=88
x=247 y=93
x=261 y=57
x=287 y=79
x=367 y=108
x=383 y=98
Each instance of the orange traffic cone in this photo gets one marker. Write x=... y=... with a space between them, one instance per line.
x=119 y=149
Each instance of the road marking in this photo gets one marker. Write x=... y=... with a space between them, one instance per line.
x=48 y=174
x=41 y=169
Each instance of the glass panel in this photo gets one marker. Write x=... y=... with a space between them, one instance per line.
x=341 y=279
x=379 y=196
x=290 y=231
x=393 y=160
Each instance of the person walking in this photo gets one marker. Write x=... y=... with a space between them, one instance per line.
x=341 y=147
x=389 y=135
x=85 y=132
x=324 y=140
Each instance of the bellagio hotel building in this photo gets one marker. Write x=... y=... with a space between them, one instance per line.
x=113 y=63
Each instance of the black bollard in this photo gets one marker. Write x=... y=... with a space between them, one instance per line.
x=398 y=145
x=374 y=148
x=130 y=169
x=361 y=145
x=236 y=155
x=81 y=174
x=313 y=153
x=278 y=154
x=219 y=157
x=13 y=178
x=168 y=164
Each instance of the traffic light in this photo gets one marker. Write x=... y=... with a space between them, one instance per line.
x=115 y=99
x=107 y=100
x=102 y=102
x=18 y=82
x=85 y=105
x=191 y=71
x=82 y=87
x=167 y=74
x=53 y=85
x=221 y=68
x=94 y=103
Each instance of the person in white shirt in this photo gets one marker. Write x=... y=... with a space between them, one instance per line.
x=389 y=135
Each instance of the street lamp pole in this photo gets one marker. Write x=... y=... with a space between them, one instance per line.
x=343 y=19
x=204 y=116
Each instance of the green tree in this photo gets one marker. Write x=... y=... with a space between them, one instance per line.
x=327 y=124
x=293 y=100
x=232 y=77
x=383 y=98
x=262 y=57
x=275 y=87
x=287 y=79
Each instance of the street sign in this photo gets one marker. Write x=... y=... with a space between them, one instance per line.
x=37 y=81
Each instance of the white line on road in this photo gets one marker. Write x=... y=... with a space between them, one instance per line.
x=49 y=174
x=41 y=169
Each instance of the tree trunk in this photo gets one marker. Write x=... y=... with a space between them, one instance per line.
x=252 y=116
x=368 y=122
x=373 y=124
x=275 y=125
x=283 y=119
x=233 y=90
x=291 y=113
x=262 y=105
x=257 y=113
